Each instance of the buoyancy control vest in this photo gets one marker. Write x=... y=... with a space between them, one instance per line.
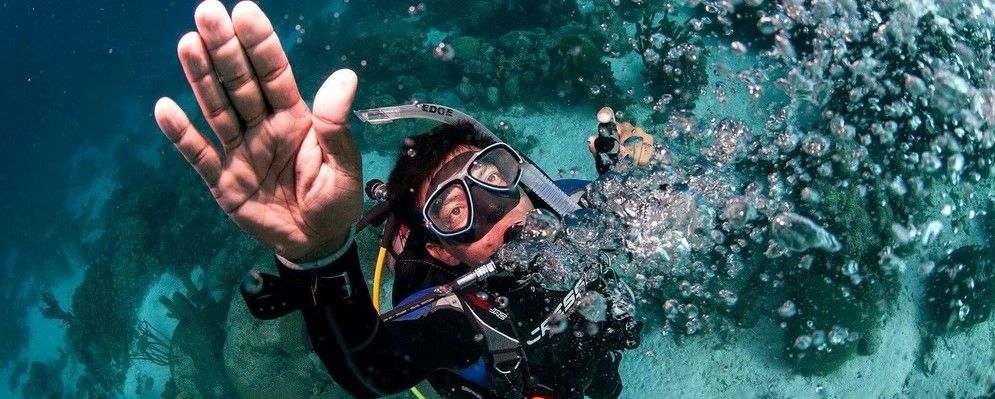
x=508 y=315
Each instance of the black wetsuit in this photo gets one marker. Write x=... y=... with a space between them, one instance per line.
x=370 y=357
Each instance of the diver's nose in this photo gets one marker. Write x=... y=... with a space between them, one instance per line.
x=513 y=233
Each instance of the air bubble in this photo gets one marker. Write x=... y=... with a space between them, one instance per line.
x=787 y=309
x=798 y=233
x=803 y=342
x=738 y=47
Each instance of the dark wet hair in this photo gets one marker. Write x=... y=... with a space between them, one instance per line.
x=419 y=156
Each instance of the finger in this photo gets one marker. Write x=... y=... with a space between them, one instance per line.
x=196 y=149
x=268 y=59
x=605 y=115
x=228 y=56
x=207 y=89
x=331 y=112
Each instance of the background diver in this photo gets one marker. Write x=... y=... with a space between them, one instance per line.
x=291 y=177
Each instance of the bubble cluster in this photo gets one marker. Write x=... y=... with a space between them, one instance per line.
x=868 y=113
x=797 y=233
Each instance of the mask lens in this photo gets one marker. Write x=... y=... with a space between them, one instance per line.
x=449 y=209
x=497 y=167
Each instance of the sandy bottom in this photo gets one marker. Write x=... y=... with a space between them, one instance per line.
x=752 y=365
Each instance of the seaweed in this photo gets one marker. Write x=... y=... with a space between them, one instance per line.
x=152 y=345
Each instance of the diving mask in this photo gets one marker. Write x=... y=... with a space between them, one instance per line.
x=473 y=191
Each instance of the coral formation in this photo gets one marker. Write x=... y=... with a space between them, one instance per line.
x=196 y=346
x=960 y=291
x=578 y=61
x=196 y=359
x=902 y=104
x=45 y=380
x=156 y=207
x=444 y=52
x=832 y=318
x=674 y=63
x=104 y=308
x=883 y=136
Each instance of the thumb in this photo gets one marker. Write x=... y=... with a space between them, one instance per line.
x=331 y=111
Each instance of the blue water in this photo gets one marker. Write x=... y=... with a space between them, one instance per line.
x=103 y=217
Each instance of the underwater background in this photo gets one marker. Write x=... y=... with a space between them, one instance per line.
x=816 y=220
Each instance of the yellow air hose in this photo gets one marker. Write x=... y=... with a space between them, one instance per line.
x=377 y=279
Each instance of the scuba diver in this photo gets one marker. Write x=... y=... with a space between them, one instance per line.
x=291 y=177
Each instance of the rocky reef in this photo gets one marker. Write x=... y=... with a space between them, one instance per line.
x=961 y=290
x=45 y=379
x=539 y=56
x=881 y=146
x=153 y=219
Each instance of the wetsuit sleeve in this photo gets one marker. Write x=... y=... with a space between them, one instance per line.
x=365 y=355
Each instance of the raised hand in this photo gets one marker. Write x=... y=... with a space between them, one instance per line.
x=289 y=177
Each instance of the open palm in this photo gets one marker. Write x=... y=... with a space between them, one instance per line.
x=289 y=177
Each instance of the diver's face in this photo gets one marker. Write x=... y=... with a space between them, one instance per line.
x=476 y=252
